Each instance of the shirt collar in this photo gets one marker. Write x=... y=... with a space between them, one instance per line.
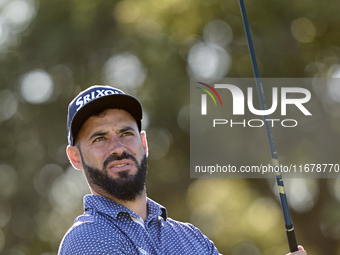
x=107 y=206
x=156 y=209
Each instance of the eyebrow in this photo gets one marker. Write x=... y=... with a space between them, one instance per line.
x=103 y=133
x=98 y=133
x=127 y=128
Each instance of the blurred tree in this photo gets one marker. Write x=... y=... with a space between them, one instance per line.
x=50 y=50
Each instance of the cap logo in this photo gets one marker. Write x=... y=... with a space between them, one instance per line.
x=84 y=99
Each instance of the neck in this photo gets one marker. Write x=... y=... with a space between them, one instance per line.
x=138 y=205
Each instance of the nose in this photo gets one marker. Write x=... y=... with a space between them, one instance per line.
x=116 y=145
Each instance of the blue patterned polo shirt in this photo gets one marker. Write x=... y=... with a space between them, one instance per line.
x=108 y=228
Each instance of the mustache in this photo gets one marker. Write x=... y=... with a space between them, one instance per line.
x=114 y=157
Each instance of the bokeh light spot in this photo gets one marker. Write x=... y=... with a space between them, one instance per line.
x=183 y=118
x=19 y=13
x=127 y=11
x=307 y=190
x=333 y=85
x=148 y=28
x=263 y=215
x=337 y=189
x=45 y=177
x=209 y=218
x=67 y=190
x=160 y=140
x=303 y=30
x=8 y=104
x=8 y=180
x=5 y=214
x=4 y=31
x=36 y=86
x=208 y=60
x=125 y=70
x=218 y=32
x=224 y=200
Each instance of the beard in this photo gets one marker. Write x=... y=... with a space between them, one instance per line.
x=125 y=187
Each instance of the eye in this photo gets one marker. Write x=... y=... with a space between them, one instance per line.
x=98 y=139
x=127 y=133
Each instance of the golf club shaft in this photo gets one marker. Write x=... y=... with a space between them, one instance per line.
x=275 y=161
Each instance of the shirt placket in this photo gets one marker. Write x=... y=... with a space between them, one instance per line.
x=145 y=226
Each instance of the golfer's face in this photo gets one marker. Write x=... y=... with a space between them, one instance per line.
x=112 y=133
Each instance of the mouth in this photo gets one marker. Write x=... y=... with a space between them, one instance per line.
x=119 y=166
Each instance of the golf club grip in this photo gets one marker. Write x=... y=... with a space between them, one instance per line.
x=291 y=238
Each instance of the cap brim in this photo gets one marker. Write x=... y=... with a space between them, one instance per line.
x=116 y=101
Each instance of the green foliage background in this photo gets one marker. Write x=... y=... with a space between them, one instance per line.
x=71 y=40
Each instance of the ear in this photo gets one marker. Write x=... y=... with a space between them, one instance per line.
x=74 y=157
x=145 y=142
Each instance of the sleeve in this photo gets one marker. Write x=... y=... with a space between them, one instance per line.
x=208 y=243
x=87 y=240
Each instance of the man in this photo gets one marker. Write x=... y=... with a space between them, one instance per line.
x=107 y=143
